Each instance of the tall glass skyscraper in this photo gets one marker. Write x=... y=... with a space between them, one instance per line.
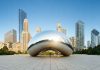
x=22 y=16
x=94 y=38
x=80 y=35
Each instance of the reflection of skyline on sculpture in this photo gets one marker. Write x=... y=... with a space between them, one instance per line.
x=50 y=40
x=41 y=13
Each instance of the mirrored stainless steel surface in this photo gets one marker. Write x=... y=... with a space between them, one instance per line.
x=50 y=40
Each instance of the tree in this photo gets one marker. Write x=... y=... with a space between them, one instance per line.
x=89 y=51
x=5 y=48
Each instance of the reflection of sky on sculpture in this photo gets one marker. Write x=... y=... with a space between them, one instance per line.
x=49 y=35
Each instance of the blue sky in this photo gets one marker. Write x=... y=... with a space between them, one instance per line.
x=46 y=14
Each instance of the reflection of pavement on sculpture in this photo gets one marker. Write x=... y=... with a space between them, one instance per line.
x=73 y=62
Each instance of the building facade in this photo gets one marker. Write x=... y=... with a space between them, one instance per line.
x=25 y=35
x=73 y=42
x=99 y=40
x=22 y=16
x=60 y=28
x=16 y=47
x=80 y=35
x=94 y=38
x=11 y=36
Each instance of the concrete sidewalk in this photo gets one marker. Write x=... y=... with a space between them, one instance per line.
x=74 y=62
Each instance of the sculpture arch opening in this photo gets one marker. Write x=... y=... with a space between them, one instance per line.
x=49 y=52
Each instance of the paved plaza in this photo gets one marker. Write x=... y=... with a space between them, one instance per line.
x=74 y=62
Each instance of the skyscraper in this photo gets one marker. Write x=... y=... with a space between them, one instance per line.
x=11 y=36
x=94 y=38
x=98 y=40
x=60 y=28
x=22 y=16
x=80 y=35
x=25 y=35
x=38 y=29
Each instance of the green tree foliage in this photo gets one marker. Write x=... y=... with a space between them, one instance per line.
x=5 y=51
x=89 y=51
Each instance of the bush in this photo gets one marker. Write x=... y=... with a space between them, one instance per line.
x=5 y=51
x=89 y=51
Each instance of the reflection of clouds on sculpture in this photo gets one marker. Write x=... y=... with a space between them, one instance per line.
x=54 y=39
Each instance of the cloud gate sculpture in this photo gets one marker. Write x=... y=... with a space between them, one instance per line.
x=50 y=40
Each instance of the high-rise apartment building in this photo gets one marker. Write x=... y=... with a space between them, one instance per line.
x=11 y=36
x=94 y=38
x=25 y=35
x=80 y=35
x=22 y=16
